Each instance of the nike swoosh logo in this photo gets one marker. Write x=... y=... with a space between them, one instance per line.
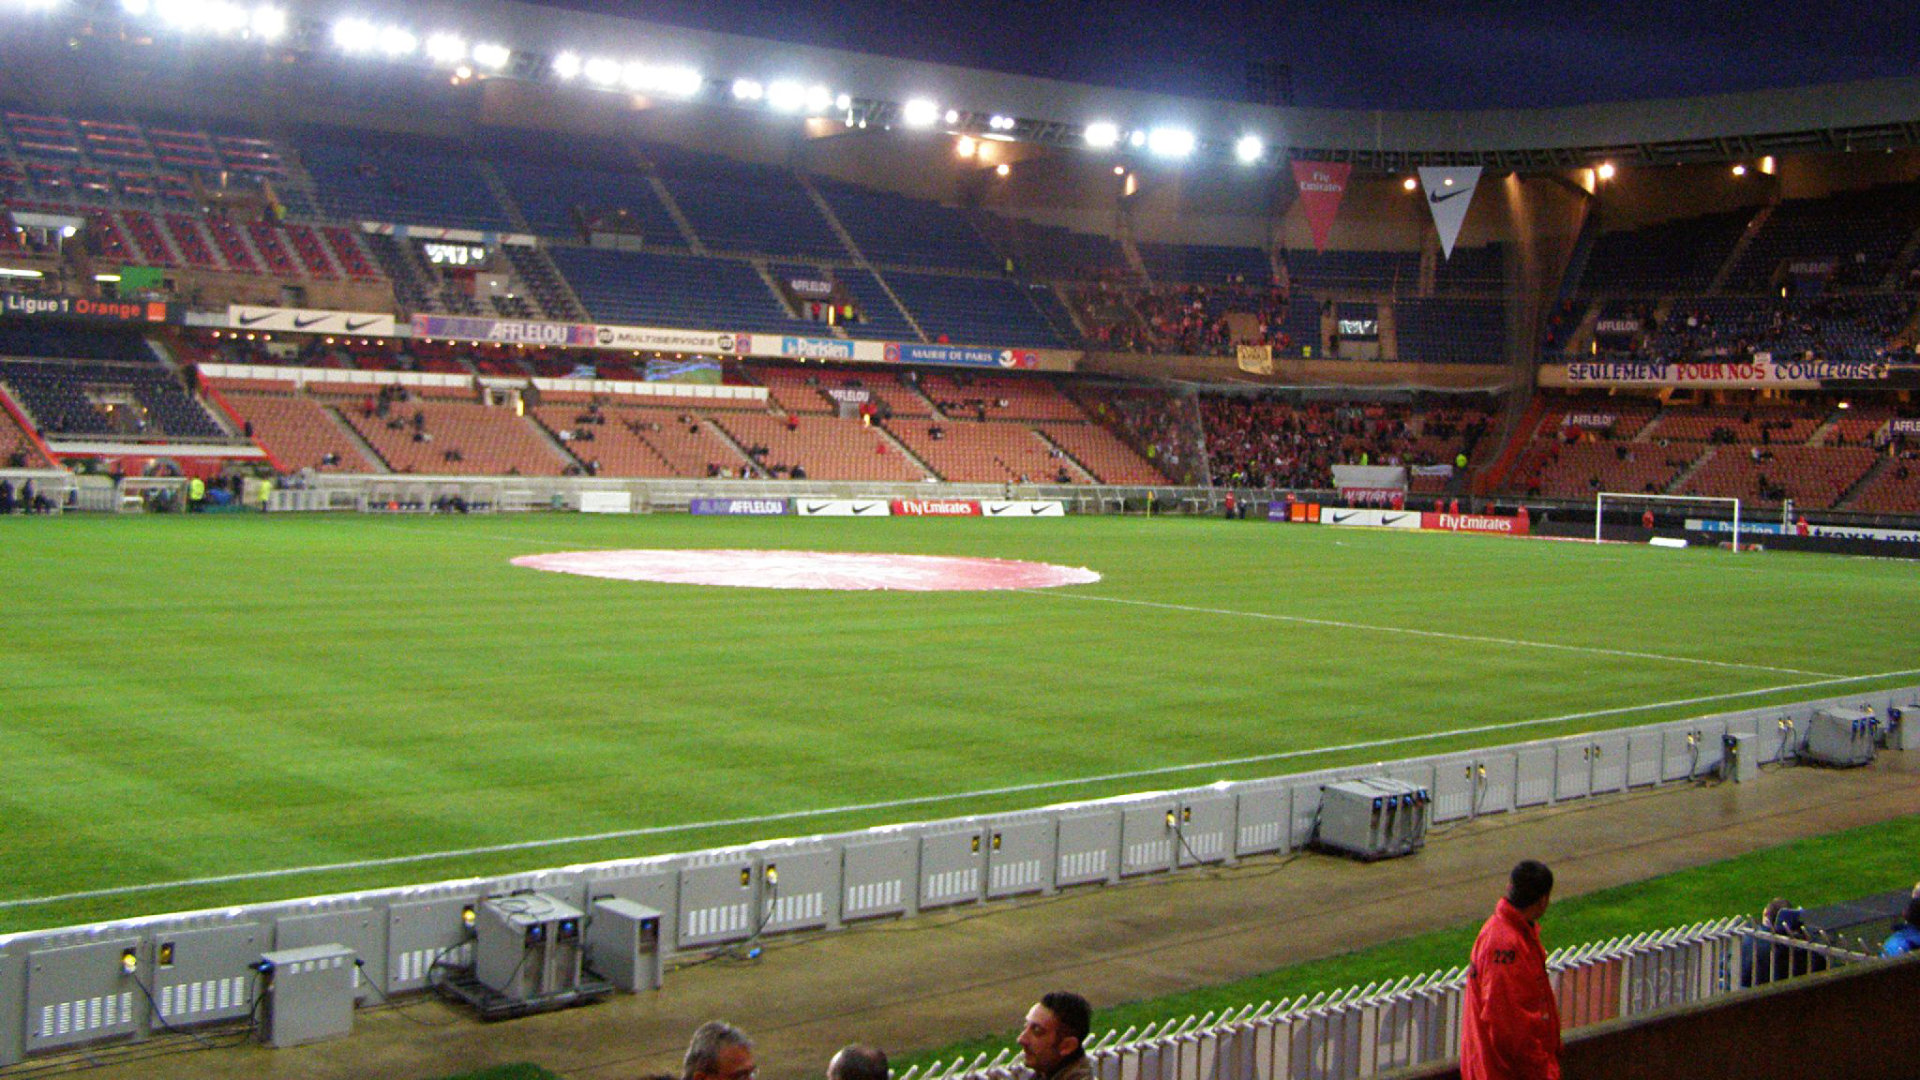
x=1394 y=518
x=254 y=320
x=859 y=509
x=1038 y=510
x=301 y=324
x=998 y=510
x=353 y=326
x=1337 y=519
x=817 y=507
x=1443 y=196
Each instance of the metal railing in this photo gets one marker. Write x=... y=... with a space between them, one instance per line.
x=1366 y=1030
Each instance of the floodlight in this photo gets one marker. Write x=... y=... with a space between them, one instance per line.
x=69 y=231
x=1102 y=136
x=819 y=99
x=1605 y=172
x=355 y=35
x=1410 y=184
x=1002 y=169
x=1739 y=170
x=492 y=57
x=397 y=41
x=919 y=112
x=635 y=76
x=1171 y=142
x=1119 y=170
x=1249 y=149
x=136 y=7
x=1001 y=123
x=1137 y=139
x=844 y=101
x=966 y=147
x=602 y=71
x=953 y=116
x=785 y=95
x=269 y=23
x=446 y=49
x=748 y=90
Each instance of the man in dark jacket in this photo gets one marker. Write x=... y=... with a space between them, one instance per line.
x=1054 y=1039
x=1510 y=1022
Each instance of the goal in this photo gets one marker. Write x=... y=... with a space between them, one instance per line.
x=1627 y=499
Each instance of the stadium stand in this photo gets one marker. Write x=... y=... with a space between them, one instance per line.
x=21 y=452
x=294 y=429
x=985 y=452
x=999 y=397
x=404 y=179
x=456 y=438
x=659 y=289
x=1678 y=257
x=1848 y=239
x=1447 y=331
x=1051 y=253
x=827 y=448
x=744 y=207
x=1101 y=453
x=894 y=230
x=1206 y=264
x=975 y=310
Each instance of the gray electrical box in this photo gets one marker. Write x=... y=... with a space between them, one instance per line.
x=623 y=944
x=1903 y=727
x=1376 y=818
x=309 y=995
x=1742 y=759
x=1842 y=737
x=528 y=946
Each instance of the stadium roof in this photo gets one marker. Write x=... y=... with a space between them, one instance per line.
x=1370 y=54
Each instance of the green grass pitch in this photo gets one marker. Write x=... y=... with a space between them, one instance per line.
x=205 y=698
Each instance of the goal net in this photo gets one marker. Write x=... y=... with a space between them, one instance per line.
x=1716 y=513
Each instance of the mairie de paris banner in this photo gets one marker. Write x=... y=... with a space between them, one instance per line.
x=1322 y=185
x=1449 y=190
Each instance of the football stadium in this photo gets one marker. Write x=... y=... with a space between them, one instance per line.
x=532 y=530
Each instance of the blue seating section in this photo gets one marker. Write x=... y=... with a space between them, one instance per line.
x=1442 y=331
x=402 y=179
x=74 y=343
x=550 y=195
x=55 y=392
x=1860 y=231
x=975 y=311
x=1205 y=264
x=1835 y=328
x=739 y=206
x=1672 y=257
x=650 y=289
x=1369 y=270
x=881 y=319
x=894 y=230
x=1051 y=253
x=1472 y=270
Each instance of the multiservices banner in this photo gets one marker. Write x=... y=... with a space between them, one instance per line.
x=1323 y=184
x=935 y=508
x=1478 y=523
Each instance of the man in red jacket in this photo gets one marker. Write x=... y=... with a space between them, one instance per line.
x=1510 y=1022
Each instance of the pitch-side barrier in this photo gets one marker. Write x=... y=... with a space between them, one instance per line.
x=127 y=979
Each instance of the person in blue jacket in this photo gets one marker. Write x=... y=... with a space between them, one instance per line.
x=1906 y=936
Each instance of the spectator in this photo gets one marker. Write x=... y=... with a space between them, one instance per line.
x=1763 y=959
x=719 y=1051
x=1510 y=1021
x=857 y=1061
x=1906 y=936
x=1053 y=1040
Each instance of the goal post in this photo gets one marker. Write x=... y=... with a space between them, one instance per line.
x=1618 y=498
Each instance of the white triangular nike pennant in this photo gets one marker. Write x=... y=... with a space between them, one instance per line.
x=1449 y=190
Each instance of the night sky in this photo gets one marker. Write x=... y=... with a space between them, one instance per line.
x=1352 y=53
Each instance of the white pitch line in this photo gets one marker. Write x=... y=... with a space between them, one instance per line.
x=920 y=800
x=1442 y=634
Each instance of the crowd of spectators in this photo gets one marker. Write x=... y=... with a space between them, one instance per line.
x=1265 y=442
x=1185 y=320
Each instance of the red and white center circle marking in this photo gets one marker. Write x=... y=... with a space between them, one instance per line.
x=811 y=570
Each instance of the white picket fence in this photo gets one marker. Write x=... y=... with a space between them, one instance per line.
x=1379 y=1027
